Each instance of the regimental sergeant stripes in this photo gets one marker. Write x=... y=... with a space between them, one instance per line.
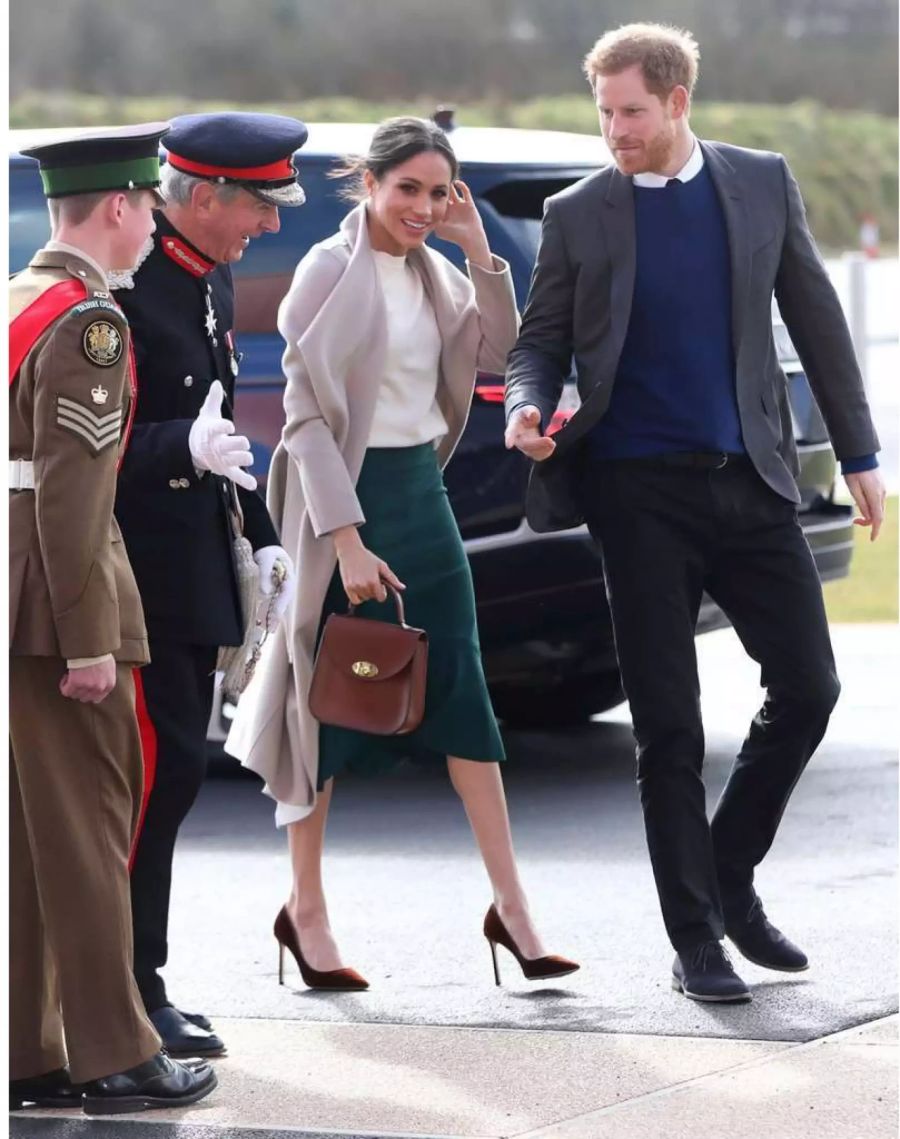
x=98 y=431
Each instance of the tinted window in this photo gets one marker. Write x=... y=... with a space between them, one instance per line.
x=29 y=222
x=520 y=203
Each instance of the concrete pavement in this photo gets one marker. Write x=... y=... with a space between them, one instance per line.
x=289 y=1078
x=434 y=1050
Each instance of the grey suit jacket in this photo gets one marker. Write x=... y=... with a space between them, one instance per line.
x=579 y=306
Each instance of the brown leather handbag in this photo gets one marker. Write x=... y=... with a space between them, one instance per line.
x=370 y=675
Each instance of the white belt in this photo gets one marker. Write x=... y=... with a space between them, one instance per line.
x=21 y=474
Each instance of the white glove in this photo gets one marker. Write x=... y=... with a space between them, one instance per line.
x=213 y=444
x=267 y=559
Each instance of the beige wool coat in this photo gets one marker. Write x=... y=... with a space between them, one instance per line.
x=334 y=323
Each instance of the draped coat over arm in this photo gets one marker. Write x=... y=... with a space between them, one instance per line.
x=333 y=321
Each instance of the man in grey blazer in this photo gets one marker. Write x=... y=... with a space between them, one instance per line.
x=656 y=276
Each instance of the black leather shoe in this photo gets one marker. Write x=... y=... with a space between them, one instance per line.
x=183 y=1037
x=197 y=1018
x=158 y=1082
x=705 y=973
x=760 y=942
x=53 y=1089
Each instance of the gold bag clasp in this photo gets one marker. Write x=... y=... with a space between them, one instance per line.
x=365 y=669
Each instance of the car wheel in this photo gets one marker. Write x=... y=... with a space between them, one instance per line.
x=563 y=705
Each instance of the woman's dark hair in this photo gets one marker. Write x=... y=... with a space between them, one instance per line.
x=394 y=142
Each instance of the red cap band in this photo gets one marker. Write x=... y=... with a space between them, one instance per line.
x=275 y=171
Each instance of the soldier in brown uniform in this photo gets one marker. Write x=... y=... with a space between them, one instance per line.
x=76 y=633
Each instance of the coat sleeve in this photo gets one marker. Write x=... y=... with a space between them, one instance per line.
x=815 y=320
x=79 y=407
x=541 y=360
x=328 y=490
x=498 y=316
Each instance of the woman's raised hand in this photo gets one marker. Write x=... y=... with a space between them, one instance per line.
x=463 y=226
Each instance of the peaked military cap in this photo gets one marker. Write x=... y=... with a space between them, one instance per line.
x=115 y=158
x=246 y=148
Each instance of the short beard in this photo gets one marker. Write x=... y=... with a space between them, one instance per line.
x=659 y=152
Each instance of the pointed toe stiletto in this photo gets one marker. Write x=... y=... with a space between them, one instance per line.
x=534 y=968
x=335 y=980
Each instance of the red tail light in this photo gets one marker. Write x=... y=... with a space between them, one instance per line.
x=493 y=393
x=490 y=393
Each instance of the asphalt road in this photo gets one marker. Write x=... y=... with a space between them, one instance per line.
x=407 y=891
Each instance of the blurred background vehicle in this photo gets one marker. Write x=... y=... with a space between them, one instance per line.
x=543 y=618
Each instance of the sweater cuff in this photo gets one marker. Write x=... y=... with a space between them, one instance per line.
x=862 y=463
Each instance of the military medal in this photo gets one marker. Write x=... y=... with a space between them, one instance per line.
x=210 y=319
x=234 y=357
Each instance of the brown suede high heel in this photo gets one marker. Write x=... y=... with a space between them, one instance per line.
x=534 y=968
x=337 y=980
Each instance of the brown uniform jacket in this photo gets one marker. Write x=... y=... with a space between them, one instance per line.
x=71 y=590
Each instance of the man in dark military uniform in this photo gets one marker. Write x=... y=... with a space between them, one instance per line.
x=225 y=178
x=76 y=634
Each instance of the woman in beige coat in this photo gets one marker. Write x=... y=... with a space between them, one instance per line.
x=384 y=337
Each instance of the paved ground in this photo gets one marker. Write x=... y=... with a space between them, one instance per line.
x=434 y=1049
x=383 y=1082
x=408 y=893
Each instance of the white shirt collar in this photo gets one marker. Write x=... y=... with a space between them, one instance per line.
x=64 y=247
x=690 y=170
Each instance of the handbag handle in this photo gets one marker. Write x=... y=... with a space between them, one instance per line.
x=398 y=604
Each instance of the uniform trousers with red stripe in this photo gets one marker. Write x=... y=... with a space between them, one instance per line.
x=178 y=692
x=74 y=795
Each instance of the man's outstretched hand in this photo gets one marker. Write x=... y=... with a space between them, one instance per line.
x=524 y=432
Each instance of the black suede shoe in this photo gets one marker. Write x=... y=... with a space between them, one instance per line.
x=53 y=1089
x=158 y=1082
x=760 y=942
x=183 y=1037
x=705 y=973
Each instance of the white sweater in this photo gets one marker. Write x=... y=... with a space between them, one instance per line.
x=407 y=412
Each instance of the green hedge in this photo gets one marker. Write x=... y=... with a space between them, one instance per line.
x=846 y=161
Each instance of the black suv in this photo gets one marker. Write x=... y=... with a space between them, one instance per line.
x=542 y=612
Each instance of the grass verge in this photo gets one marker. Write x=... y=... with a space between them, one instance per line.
x=870 y=592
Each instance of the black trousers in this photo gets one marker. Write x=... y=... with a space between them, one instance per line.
x=178 y=688
x=668 y=533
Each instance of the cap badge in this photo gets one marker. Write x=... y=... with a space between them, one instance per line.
x=99 y=394
x=102 y=345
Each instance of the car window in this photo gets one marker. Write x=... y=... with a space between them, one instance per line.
x=29 y=221
x=512 y=207
x=520 y=203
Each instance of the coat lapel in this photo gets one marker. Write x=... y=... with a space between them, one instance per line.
x=618 y=221
x=350 y=327
x=734 y=207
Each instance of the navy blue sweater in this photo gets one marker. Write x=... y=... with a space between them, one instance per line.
x=675 y=385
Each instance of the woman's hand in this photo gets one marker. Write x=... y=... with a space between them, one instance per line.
x=463 y=226
x=362 y=573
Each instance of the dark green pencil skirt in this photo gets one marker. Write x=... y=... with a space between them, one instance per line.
x=409 y=525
